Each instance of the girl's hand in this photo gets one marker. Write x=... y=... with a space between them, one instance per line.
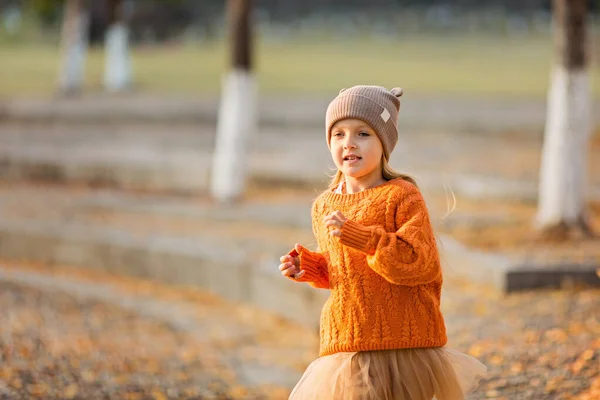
x=290 y=264
x=335 y=222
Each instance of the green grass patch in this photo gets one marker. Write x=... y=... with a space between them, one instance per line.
x=455 y=65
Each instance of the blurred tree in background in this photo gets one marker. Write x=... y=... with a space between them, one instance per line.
x=160 y=20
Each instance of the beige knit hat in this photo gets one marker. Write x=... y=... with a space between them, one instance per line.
x=374 y=105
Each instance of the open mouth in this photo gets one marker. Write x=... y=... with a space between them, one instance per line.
x=352 y=158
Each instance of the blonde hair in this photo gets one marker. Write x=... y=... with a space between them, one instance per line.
x=387 y=172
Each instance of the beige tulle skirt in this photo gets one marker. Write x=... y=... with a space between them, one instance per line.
x=404 y=374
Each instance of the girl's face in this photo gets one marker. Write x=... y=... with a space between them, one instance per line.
x=356 y=149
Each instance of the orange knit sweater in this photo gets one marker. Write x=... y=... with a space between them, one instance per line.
x=383 y=272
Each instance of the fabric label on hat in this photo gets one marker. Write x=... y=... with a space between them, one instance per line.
x=385 y=115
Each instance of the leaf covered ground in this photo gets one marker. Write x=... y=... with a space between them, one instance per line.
x=57 y=344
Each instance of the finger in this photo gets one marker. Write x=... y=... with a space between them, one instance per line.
x=336 y=233
x=298 y=247
x=285 y=258
x=335 y=224
x=299 y=274
x=284 y=266
x=339 y=216
x=288 y=272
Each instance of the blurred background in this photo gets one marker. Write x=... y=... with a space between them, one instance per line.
x=157 y=157
x=429 y=47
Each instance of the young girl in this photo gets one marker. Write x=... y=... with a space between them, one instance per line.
x=382 y=331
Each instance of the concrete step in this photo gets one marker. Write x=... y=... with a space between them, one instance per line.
x=236 y=260
x=179 y=161
x=230 y=250
x=154 y=159
x=459 y=114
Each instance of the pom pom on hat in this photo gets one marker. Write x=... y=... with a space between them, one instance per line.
x=397 y=91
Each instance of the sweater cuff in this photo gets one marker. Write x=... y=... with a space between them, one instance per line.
x=357 y=236
x=309 y=263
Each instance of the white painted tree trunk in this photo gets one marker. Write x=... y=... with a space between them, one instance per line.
x=236 y=125
x=563 y=176
x=74 y=48
x=117 y=64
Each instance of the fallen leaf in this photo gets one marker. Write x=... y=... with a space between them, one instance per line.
x=157 y=395
x=37 y=389
x=553 y=384
x=71 y=391
x=497 y=359
x=6 y=373
x=16 y=383
x=239 y=392
x=556 y=335
x=476 y=350
x=581 y=361
x=516 y=368
x=576 y=329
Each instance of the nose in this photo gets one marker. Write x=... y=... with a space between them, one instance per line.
x=349 y=143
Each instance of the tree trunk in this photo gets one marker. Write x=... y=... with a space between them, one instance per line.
x=563 y=176
x=117 y=65
x=74 y=45
x=237 y=113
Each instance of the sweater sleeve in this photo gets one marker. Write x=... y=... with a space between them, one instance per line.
x=407 y=257
x=314 y=265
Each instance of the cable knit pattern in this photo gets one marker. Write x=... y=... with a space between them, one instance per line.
x=383 y=272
